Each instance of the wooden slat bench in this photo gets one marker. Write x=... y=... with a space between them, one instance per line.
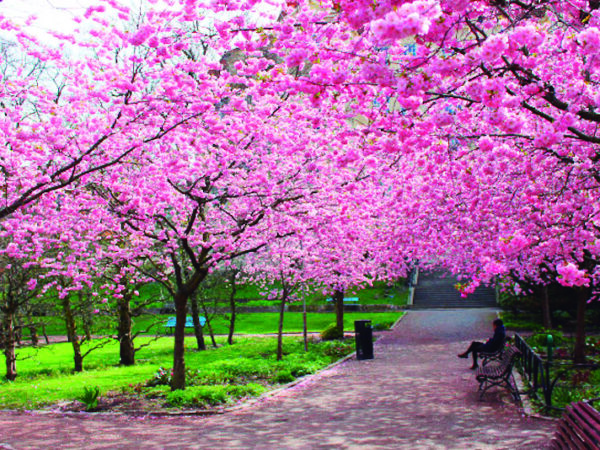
x=499 y=373
x=487 y=357
x=579 y=428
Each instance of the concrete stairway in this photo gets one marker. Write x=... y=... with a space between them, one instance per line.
x=436 y=291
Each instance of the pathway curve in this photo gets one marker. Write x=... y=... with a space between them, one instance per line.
x=415 y=394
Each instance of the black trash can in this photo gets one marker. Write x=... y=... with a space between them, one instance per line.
x=363 y=335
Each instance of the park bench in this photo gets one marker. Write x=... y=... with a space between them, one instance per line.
x=499 y=373
x=346 y=299
x=189 y=323
x=487 y=357
x=578 y=428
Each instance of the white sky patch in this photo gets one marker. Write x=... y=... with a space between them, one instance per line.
x=50 y=14
x=59 y=15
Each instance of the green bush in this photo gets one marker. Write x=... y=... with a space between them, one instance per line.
x=283 y=376
x=234 y=369
x=540 y=339
x=90 y=397
x=160 y=378
x=300 y=370
x=331 y=332
x=338 y=349
x=562 y=396
x=205 y=396
x=246 y=390
x=157 y=391
x=198 y=396
x=382 y=326
x=522 y=321
x=561 y=317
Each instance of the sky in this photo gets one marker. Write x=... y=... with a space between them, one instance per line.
x=51 y=14
x=58 y=14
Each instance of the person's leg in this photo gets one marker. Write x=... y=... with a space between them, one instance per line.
x=476 y=349
x=473 y=345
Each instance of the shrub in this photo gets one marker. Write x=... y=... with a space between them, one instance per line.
x=561 y=317
x=205 y=396
x=541 y=339
x=331 y=332
x=157 y=391
x=198 y=396
x=338 y=349
x=161 y=377
x=562 y=396
x=90 y=397
x=283 y=376
x=246 y=390
x=300 y=370
x=381 y=326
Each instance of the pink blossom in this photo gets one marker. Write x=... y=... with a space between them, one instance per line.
x=589 y=39
x=493 y=48
x=141 y=36
x=570 y=275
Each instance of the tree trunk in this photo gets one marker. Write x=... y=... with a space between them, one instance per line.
x=77 y=356
x=9 y=346
x=178 y=378
x=33 y=335
x=86 y=316
x=338 y=298
x=546 y=317
x=209 y=326
x=232 y=308
x=197 y=327
x=304 y=324
x=184 y=291
x=17 y=330
x=280 y=329
x=126 y=347
x=45 y=334
x=72 y=334
x=583 y=295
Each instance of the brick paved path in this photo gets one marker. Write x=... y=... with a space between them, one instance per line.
x=415 y=394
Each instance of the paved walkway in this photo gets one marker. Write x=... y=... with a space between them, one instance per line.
x=415 y=394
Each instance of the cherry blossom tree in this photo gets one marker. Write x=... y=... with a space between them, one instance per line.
x=461 y=134
x=491 y=108
x=510 y=92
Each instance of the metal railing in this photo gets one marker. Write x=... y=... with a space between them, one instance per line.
x=543 y=374
x=535 y=370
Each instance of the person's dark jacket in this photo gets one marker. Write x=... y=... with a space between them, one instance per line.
x=496 y=341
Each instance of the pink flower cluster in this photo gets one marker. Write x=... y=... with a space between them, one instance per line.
x=410 y=19
x=571 y=276
x=590 y=40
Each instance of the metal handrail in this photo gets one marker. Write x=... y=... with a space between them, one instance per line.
x=537 y=371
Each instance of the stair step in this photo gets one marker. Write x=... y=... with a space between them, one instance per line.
x=439 y=292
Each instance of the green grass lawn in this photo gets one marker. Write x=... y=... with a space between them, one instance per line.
x=265 y=323
x=246 y=323
x=215 y=376
x=378 y=294
x=253 y=295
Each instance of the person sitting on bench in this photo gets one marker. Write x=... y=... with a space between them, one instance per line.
x=493 y=344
